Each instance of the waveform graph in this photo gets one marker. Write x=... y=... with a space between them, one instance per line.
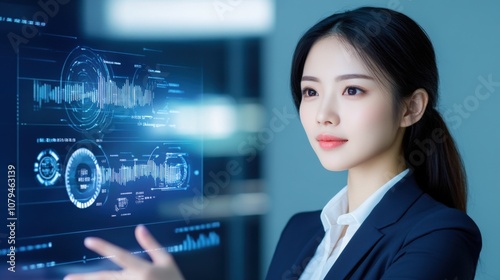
x=85 y=90
x=160 y=170
x=145 y=82
x=104 y=93
x=84 y=176
x=163 y=93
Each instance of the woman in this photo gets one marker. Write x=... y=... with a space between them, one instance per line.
x=365 y=83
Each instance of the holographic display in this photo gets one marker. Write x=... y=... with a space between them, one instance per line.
x=102 y=147
x=102 y=130
x=99 y=136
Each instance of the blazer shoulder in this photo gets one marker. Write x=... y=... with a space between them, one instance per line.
x=305 y=216
x=441 y=217
x=440 y=243
x=302 y=222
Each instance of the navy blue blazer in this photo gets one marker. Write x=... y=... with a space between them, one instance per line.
x=408 y=235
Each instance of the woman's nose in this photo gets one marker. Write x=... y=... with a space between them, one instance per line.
x=327 y=113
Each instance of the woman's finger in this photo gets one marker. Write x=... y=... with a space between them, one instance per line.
x=152 y=247
x=116 y=254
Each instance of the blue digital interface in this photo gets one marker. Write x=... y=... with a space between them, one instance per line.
x=103 y=134
x=101 y=140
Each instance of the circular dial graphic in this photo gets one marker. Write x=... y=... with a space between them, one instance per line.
x=47 y=167
x=83 y=178
x=85 y=83
x=176 y=170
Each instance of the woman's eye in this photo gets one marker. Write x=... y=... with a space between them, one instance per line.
x=307 y=92
x=352 y=91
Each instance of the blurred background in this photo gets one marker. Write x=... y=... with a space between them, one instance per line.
x=254 y=146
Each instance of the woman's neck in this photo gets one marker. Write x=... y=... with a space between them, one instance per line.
x=363 y=181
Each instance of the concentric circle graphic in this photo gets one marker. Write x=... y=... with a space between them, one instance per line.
x=85 y=175
x=85 y=82
x=176 y=170
x=83 y=178
x=47 y=168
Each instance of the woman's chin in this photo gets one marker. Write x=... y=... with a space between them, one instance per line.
x=334 y=166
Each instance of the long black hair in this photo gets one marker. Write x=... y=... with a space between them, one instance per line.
x=398 y=51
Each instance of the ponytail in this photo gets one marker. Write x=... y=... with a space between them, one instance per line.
x=429 y=149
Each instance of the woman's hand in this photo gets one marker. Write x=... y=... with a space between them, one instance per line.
x=134 y=268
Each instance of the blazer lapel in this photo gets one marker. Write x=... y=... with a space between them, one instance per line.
x=364 y=240
x=392 y=206
x=306 y=254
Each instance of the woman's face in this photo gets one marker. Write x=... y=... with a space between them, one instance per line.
x=346 y=112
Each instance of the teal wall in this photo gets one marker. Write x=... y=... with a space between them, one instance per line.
x=466 y=36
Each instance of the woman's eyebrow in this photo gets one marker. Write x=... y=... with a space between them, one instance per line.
x=310 y=78
x=340 y=78
x=353 y=76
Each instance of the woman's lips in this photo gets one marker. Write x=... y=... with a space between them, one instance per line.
x=328 y=142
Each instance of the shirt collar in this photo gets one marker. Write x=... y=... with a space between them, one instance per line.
x=334 y=208
x=335 y=211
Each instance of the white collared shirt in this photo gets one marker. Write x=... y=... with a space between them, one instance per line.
x=334 y=217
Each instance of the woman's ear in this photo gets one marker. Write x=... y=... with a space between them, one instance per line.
x=414 y=107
